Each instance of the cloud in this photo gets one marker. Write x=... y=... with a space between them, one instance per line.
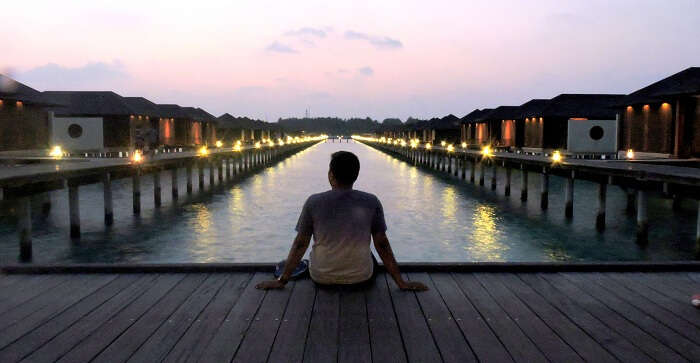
x=307 y=31
x=366 y=71
x=280 y=48
x=89 y=76
x=377 y=41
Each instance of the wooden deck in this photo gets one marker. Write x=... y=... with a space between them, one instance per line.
x=465 y=316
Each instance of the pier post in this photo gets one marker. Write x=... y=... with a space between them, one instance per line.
x=600 y=217
x=107 y=191
x=464 y=167
x=228 y=168
x=45 y=203
x=200 y=176
x=74 y=210
x=211 y=162
x=544 y=196
x=494 y=172
x=697 y=230
x=188 y=171
x=136 y=191
x=523 y=185
x=449 y=164
x=156 y=189
x=509 y=170
x=24 y=228
x=631 y=199
x=472 y=170
x=482 y=171
x=173 y=183
x=569 y=201
x=642 y=217
x=220 y=165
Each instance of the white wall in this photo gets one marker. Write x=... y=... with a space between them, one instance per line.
x=580 y=141
x=92 y=137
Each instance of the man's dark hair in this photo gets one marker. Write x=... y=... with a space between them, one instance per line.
x=345 y=167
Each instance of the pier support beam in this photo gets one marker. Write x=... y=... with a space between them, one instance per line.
x=508 y=178
x=107 y=192
x=156 y=189
x=464 y=167
x=74 y=210
x=136 y=192
x=642 y=217
x=472 y=170
x=600 y=216
x=228 y=168
x=697 y=230
x=45 y=204
x=494 y=175
x=569 y=197
x=211 y=173
x=544 y=196
x=482 y=171
x=523 y=186
x=24 y=228
x=200 y=176
x=631 y=200
x=188 y=171
x=220 y=165
x=173 y=183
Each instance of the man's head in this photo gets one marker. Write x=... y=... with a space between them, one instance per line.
x=344 y=168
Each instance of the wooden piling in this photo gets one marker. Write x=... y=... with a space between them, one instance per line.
x=228 y=168
x=508 y=179
x=136 y=191
x=569 y=197
x=107 y=193
x=45 y=204
x=482 y=171
x=494 y=175
x=600 y=216
x=211 y=163
x=156 y=189
x=24 y=227
x=472 y=170
x=74 y=210
x=173 y=183
x=631 y=201
x=544 y=196
x=188 y=171
x=523 y=185
x=642 y=217
x=200 y=175
x=220 y=171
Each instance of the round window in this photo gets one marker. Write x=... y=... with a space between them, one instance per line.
x=596 y=132
x=75 y=131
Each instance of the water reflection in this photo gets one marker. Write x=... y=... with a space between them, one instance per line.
x=485 y=238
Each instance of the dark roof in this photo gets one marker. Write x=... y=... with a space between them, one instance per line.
x=171 y=111
x=446 y=123
x=95 y=103
x=593 y=106
x=532 y=107
x=16 y=91
x=228 y=121
x=143 y=106
x=684 y=82
x=500 y=113
x=198 y=114
x=474 y=115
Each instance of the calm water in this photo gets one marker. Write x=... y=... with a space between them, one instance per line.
x=431 y=217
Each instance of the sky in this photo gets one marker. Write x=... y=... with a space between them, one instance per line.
x=347 y=58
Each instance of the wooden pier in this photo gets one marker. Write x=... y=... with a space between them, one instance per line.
x=472 y=312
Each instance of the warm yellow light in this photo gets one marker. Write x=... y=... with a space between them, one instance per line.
x=464 y=145
x=137 y=157
x=20 y=104
x=450 y=148
x=237 y=147
x=556 y=156
x=56 y=152
x=428 y=146
x=630 y=154
x=443 y=143
x=403 y=143
x=203 y=151
x=486 y=150
x=257 y=145
x=219 y=143
x=238 y=142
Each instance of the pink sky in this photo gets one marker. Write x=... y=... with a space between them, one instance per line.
x=270 y=59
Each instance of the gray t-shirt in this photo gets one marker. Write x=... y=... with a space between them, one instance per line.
x=342 y=222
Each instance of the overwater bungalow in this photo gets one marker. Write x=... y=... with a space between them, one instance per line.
x=446 y=129
x=473 y=132
x=664 y=117
x=497 y=127
x=203 y=126
x=24 y=120
x=528 y=127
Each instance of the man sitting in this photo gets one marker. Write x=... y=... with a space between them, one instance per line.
x=342 y=222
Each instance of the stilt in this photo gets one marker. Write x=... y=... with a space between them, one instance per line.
x=464 y=167
x=188 y=171
x=228 y=168
x=544 y=197
x=200 y=167
x=45 y=204
x=642 y=217
x=697 y=230
x=508 y=177
x=482 y=171
x=569 y=198
x=211 y=173
x=107 y=191
x=631 y=199
x=74 y=211
x=173 y=182
x=677 y=202
x=449 y=164
x=24 y=228
x=220 y=165
x=523 y=185
x=472 y=170
x=600 y=217
x=156 y=189
x=136 y=191
x=494 y=172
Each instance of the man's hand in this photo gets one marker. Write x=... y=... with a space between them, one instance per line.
x=412 y=286
x=271 y=284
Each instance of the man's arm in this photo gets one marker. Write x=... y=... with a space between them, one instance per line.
x=301 y=243
x=381 y=244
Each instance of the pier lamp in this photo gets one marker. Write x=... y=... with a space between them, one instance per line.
x=403 y=143
x=443 y=143
x=203 y=151
x=280 y=142
x=630 y=154
x=556 y=156
x=219 y=143
x=237 y=147
x=136 y=157
x=56 y=152
x=486 y=151
x=428 y=146
x=450 y=148
x=464 y=145
x=257 y=145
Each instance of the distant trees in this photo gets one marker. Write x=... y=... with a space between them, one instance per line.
x=329 y=125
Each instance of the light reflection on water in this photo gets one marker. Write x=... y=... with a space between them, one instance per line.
x=430 y=216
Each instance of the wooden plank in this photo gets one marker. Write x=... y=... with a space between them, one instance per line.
x=104 y=335
x=67 y=339
x=291 y=337
x=353 y=337
x=520 y=347
x=195 y=340
x=650 y=291
x=28 y=287
x=22 y=319
x=448 y=337
x=323 y=330
x=228 y=337
x=385 y=338
x=481 y=338
x=40 y=335
x=582 y=343
x=131 y=339
x=665 y=317
x=164 y=339
x=417 y=338
x=258 y=340
x=615 y=343
x=553 y=347
x=675 y=286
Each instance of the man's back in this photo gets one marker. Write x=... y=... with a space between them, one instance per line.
x=342 y=222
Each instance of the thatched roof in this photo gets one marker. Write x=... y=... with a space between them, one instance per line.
x=684 y=82
x=89 y=103
x=143 y=106
x=16 y=91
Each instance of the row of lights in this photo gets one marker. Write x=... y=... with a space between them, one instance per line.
x=237 y=146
